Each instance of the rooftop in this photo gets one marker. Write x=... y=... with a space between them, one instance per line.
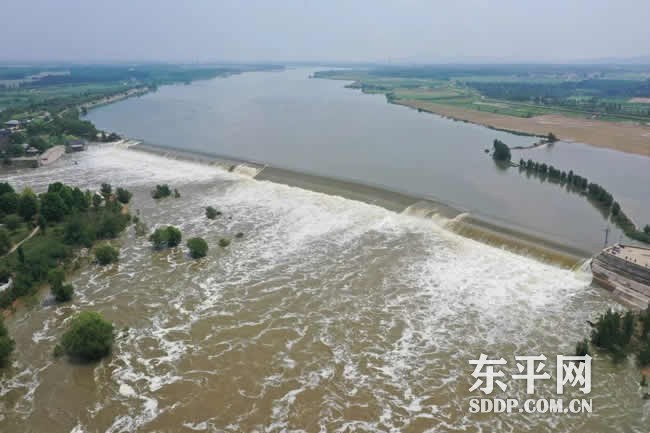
x=633 y=254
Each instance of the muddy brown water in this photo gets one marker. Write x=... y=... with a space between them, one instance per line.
x=329 y=315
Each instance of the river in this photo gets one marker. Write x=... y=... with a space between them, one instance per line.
x=328 y=315
x=317 y=126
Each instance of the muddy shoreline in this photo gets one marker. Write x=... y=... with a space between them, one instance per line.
x=619 y=136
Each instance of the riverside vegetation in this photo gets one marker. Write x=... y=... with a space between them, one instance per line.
x=620 y=334
x=49 y=228
x=597 y=195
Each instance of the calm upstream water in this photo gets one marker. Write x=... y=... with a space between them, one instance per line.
x=317 y=126
x=329 y=315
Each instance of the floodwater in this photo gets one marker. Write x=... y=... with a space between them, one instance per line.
x=329 y=315
x=317 y=126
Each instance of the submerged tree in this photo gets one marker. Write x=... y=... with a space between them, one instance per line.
x=167 y=237
x=198 y=247
x=88 y=338
x=501 y=151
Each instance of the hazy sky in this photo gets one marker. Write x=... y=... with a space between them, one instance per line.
x=361 y=30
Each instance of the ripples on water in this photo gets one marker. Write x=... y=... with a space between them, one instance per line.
x=328 y=315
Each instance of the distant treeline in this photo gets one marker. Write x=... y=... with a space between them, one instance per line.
x=521 y=91
x=525 y=71
x=93 y=74
x=596 y=193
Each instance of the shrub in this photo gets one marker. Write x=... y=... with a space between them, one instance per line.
x=78 y=232
x=211 y=213
x=176 y=193
x=239 y=235
x=88 y=338
x=167 y=237
x=198 y=247
x=161 y=191
x=5 y=241
x=123 y=195
x=223 y=242
x=106 y=254
x=6 y=344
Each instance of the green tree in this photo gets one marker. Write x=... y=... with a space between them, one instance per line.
x=63 y=293
x=7 y=344
x=18 y=138
x=9 y=202
x=77 y=231
x=106 y=254
x=88 y=338
x=501 y=151
x=28 y=204
x=79 y=200
x=39 y=143
x=167 y=237
x=161 y=191
x=198 y=247
x=6 y=187
x=53 y=208
x=110 y=225
x=56 y=276
x=123 y=195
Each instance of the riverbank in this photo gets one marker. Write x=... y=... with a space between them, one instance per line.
x=494 y=232
x=624 y=137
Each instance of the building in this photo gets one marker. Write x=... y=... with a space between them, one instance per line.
x=12 y=124
x=76 y=145
x=625 y=270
